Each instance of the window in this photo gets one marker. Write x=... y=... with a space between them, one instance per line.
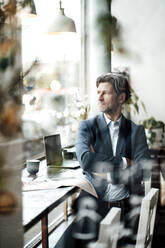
x=51 y=76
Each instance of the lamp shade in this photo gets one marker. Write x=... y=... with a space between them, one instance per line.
x=61 y=23
x=30 y=4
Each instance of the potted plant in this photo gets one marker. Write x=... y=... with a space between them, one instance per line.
x=154 y=132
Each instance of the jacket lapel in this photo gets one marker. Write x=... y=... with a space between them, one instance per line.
x=124 y=134
x=121 y=139
x=105 y=135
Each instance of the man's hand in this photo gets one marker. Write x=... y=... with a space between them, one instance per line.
x=129 y=162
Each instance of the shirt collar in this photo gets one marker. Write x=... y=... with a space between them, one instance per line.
x=108 y=121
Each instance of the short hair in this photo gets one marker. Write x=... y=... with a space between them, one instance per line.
x=119 y=82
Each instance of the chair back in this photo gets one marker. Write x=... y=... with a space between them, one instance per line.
x=109 y=229
x=147 y=219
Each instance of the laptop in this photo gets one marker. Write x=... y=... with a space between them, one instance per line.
x=54 y=156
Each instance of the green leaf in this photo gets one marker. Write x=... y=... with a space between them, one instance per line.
x=136 y=107
x=144 y=107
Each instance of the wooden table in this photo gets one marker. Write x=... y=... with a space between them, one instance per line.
x=37 y=204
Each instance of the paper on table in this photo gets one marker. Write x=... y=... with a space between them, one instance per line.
x=83 y=183
x=79 y=180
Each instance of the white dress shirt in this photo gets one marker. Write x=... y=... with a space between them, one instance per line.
x=118 y=191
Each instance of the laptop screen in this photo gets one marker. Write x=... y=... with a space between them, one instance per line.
x=53 y=150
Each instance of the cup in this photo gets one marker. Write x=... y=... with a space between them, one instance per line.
x=32 y=166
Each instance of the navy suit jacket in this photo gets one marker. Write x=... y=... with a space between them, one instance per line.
x=131 y=144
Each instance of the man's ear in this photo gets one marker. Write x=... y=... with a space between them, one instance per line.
x=122 y=98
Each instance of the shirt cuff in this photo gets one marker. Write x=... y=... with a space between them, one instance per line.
x=125 y=165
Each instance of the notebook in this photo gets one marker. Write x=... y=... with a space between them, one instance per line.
x=54 y=156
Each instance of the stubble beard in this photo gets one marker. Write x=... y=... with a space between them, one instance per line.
x=110 y=111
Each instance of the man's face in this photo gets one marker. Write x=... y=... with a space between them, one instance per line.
x=108 y=101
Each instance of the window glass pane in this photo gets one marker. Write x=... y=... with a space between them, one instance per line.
x=51 y=78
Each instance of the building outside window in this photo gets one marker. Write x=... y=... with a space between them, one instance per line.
x=51 y=76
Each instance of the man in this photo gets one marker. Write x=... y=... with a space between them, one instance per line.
x=108 y=145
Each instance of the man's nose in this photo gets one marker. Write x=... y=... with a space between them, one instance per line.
x=100 y=97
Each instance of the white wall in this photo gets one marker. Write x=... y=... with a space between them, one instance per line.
x=143 y=33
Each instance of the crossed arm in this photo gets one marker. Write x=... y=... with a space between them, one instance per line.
x=88 y=157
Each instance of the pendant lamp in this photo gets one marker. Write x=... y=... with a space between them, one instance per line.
x=30 y=4
x=61 y=23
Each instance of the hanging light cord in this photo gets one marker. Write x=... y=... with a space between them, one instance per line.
x=60 y=4
x=60 y=7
